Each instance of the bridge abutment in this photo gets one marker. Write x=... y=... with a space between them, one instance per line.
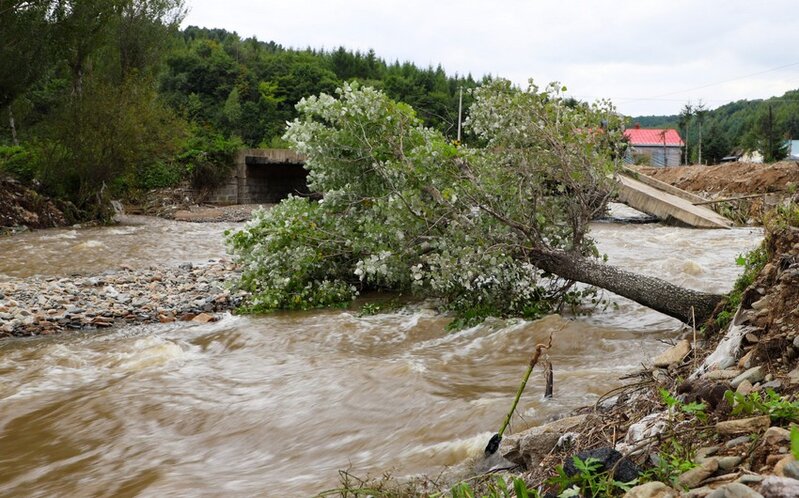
x=263 y=176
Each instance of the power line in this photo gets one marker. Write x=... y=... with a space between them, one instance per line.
x=653 y=99
x=713 y=84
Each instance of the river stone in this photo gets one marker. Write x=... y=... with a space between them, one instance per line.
x=624 y=470
x=527 y=448
x=791 y=469
x=491 y=463
x=734 y=490
x=703 y=453
x=700 y=492
x=776 y=436
x=793 y=375
x=753 y=375
x=203 y=318
x=746 y=360
x=732 y=443
x=648 y=427
x=779 y=487
x=727 y=463
x=744 y=388
x=674 y=354
x=743 y=425
x=750 y=479
x=761 y=303
x=779 y=467
x=694 y=477
x=654 y=489
x=725 y=374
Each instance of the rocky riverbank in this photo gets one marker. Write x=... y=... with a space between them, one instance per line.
x=712 y=416
x=44 y=305
x=183 y=203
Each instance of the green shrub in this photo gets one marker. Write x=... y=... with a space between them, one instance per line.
x=780 y=409
x=498 y=488
x=159 y=175
x=589 y=481
x=207 y=158
x=18 y=162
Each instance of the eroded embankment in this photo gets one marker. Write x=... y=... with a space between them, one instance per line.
x=711 y=416
x=43 y=305
x=22 y=208
x=731 y=178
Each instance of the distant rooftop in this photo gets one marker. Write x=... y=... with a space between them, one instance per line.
x=639 y=136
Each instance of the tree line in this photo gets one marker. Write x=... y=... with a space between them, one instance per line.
x=102 y=98
x=741 y=126
x=108 y=98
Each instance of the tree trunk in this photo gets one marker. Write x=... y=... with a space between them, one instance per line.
x=652 y=292
x=13 y=127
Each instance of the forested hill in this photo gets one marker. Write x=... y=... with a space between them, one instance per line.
x=107 y=99
x=248 y=88
x=743 y=125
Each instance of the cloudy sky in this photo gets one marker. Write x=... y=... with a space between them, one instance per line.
x=649 y=57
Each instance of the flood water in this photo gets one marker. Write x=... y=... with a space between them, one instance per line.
x=276 y=405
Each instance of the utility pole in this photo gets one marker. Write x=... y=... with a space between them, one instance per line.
x=700 y=116
x=460 y=110
x=700 y=142
x=769 y=155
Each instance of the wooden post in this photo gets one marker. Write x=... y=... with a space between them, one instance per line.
x=550 y=384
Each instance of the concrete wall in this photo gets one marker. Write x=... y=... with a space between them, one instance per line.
x=262 y=176
x=655 y=155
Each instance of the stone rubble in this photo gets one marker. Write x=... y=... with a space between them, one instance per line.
x=745 y=453
x=45 y=305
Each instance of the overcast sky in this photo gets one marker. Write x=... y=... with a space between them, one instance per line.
x=648 y=57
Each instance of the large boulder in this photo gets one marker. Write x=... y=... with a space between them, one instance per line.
x=529 y=447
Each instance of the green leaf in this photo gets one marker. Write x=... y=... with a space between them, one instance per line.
x=570 y=493
x=520 y=487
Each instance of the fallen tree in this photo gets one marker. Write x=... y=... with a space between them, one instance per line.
x=498 y=228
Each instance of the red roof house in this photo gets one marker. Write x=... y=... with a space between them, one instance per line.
x=656 y=147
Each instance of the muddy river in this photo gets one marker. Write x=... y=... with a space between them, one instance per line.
x=276 y=405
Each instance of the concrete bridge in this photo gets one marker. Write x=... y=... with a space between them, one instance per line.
x=667 y=202
x=263 y=176
x=266 y=176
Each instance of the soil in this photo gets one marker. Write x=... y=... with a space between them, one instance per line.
x=22 y=208
x=770 y=311
x=731 y=178
x=183 y=203
x=206 y=213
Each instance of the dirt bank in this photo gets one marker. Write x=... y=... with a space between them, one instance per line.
x=711 y=415
x=22 y=208
x=183 y=203
x=731 y=178
x=207 y=213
